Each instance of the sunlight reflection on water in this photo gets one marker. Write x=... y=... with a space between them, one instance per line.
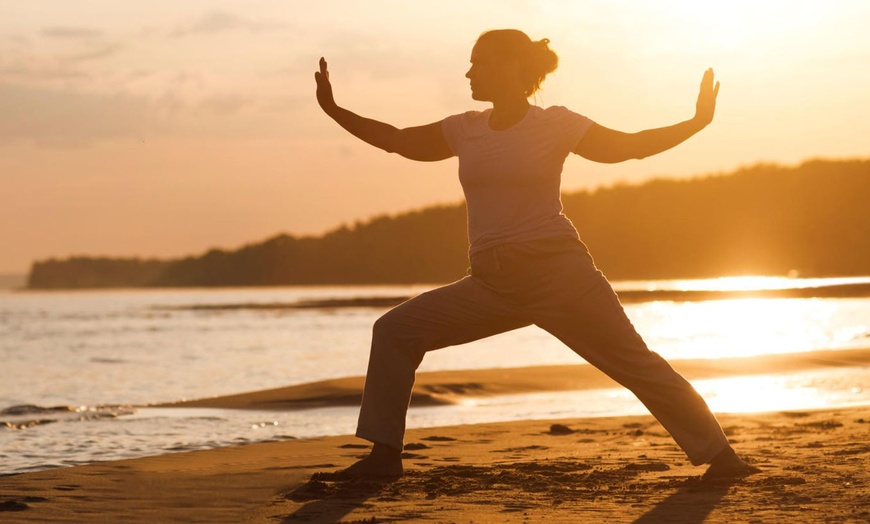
x=807 y=390
x=738 y=283
x=748 y=327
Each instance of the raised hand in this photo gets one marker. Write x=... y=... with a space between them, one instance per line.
x=706 y=105
x=324 y=87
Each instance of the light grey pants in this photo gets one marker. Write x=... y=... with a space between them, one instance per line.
x=553 y=284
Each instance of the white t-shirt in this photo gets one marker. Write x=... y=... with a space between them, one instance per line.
x=511 y=178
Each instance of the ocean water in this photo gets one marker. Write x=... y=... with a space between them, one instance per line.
x=73 y=363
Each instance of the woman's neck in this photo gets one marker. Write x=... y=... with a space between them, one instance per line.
x=506 y=113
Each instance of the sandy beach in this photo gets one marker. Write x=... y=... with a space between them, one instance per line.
x=618 y=469
x=588 y=470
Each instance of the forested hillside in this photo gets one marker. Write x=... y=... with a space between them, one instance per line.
x=813 y=219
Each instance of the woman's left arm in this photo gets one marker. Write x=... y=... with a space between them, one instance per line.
x=608 y=146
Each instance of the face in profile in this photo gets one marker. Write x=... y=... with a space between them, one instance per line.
x=492 y=75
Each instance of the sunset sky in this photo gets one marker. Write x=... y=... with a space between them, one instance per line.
x=162 y=129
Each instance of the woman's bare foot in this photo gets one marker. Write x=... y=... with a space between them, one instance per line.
x=383 y=462
x=727 y=464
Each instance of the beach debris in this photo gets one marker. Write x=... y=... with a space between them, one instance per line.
x=560 y=429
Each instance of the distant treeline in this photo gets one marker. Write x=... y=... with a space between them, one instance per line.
x=813 y=220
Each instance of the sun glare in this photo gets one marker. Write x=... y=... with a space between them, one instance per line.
x=739 y=327
x=740 y=24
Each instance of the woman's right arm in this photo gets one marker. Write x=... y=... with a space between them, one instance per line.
x=424 y=143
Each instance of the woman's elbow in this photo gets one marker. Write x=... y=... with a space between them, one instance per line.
x=608 y=157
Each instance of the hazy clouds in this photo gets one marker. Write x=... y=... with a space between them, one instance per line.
x=72 y=33
x=214 y=22
x=72 y=85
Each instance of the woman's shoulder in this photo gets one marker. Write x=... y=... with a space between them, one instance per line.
x=564 y=117
x=469 y=122
x=556 y=112
x=563 y=122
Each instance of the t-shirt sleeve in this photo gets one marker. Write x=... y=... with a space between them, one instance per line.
x=451 y=128
x=574 y=126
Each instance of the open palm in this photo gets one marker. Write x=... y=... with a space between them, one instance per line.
x=706 y=104
x=324 y=87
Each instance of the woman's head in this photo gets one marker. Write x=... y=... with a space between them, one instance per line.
x=507 y=61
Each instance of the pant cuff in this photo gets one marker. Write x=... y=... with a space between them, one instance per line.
x=377 y=437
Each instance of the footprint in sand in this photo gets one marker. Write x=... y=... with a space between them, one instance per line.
x=13 y=505
x=822 y=424
x=795 y=414
x=436 y=438
x=650 y=466
x=524 y=448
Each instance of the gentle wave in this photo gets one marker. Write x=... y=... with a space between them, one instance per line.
x=22 y=416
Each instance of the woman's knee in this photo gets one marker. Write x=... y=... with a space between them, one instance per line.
x=392 y=329
x=385 y=327
x=394 y=340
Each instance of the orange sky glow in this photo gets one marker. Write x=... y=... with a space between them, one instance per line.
x=162 y=129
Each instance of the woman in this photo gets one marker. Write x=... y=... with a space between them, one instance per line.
x=528 y=265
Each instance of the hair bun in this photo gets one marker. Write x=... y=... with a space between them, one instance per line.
x=535 y=57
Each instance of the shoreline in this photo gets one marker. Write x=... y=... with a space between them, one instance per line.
x=442 y=398
x=614 y=469
x=434 y=388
